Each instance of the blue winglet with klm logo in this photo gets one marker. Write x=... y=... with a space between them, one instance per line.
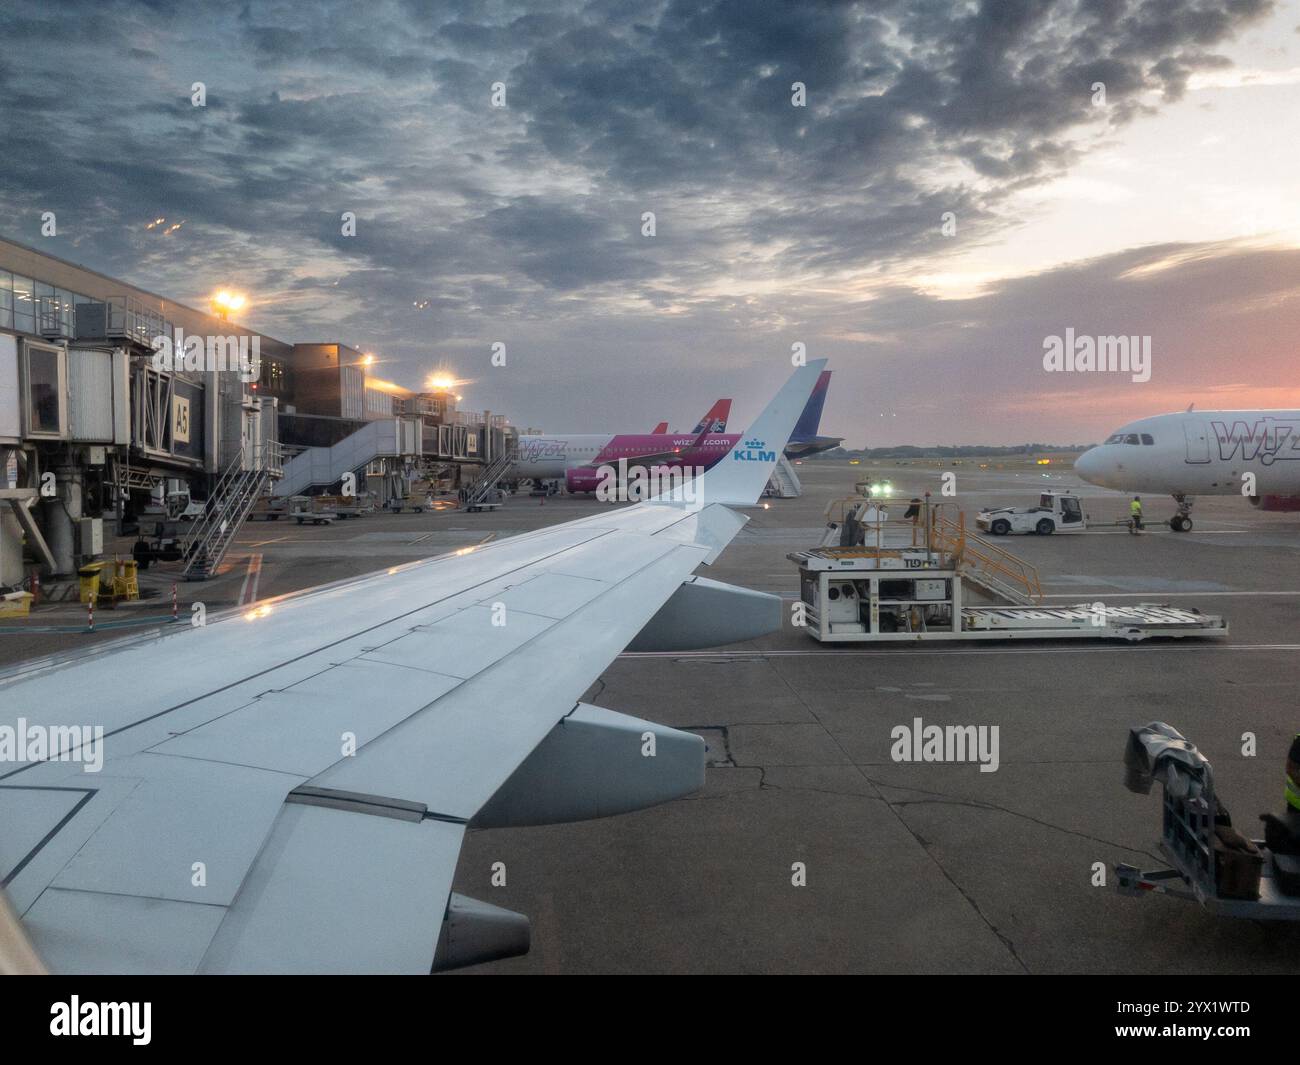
x=740 y=480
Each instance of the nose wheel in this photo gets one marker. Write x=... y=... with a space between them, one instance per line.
x=1182 y=521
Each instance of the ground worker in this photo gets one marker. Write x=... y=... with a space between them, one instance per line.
x=1282 y=834
x=1135 y=511
x=1292 y=788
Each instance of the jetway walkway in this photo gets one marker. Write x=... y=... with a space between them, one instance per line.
x=320 y=466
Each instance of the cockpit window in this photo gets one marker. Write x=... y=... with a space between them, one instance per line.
x=1148 y=439
x=1116 y=438
x=1131 y=438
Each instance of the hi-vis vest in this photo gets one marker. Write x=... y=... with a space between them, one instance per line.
x=1293 y=774
x=1135 y=507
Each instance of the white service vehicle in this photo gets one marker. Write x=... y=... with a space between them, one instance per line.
x=1055 y=513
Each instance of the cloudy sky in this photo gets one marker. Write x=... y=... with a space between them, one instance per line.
x=1167 y=209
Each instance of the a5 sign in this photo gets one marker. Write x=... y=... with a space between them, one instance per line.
x=180 y=420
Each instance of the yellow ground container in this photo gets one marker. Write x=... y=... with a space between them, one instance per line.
x=15 y=605
x=89 y=578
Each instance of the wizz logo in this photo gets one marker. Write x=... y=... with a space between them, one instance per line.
x=752 y=451
x=541 y=449
x=1268 y=440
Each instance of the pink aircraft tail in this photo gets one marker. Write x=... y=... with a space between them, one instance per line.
x=716 y=420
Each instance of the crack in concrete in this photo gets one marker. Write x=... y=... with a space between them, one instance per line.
x=940 y=799
x=1003 y=938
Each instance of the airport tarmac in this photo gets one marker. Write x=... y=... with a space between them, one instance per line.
x=910 y=868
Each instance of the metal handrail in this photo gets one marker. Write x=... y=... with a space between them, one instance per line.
x=228 y=504
x=481 y=485
x=994 y=561
x=933 y=531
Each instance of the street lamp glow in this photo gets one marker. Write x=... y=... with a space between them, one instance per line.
x=225 y=303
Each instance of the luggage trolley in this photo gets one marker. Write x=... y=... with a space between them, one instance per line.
x=1200 y=872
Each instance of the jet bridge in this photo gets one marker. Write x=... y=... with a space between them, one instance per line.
x=915 y=579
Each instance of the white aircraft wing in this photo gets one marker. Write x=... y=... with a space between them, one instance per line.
x=287 y=790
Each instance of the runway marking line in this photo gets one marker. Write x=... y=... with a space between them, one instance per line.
x=912 y=649
x=248 y=591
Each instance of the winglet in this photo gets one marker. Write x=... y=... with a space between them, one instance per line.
x=739 y=479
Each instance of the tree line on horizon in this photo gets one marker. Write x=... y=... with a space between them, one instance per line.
x=942 y=451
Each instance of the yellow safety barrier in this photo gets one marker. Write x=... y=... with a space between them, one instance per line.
x=125 y=584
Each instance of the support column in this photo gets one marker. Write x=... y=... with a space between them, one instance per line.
x=62 y=514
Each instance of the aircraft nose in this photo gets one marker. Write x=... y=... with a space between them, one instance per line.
x=1089 y=465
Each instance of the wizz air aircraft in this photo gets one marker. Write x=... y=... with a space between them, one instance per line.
x=289 y=791
x=577 y=458
x=1214 y=452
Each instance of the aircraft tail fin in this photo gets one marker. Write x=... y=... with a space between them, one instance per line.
x=740 y=477
x=659 y=429
x=715 y=421
x=811 y=418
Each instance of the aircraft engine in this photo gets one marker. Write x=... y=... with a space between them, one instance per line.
x=584 y=479
x=1287 y=503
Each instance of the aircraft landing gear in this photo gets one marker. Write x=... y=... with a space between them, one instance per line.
x=1182 y=521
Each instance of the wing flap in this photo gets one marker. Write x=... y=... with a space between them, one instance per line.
x=336 y=891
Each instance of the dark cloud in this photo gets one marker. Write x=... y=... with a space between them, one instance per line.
x=523 y=223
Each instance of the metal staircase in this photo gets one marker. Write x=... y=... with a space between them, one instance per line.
x=477 y=490
x=784 y=483
x=228 y=506
x=999 y=573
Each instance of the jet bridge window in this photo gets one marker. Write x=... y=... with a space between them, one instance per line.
x=44 y=388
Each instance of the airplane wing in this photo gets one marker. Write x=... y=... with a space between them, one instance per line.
x=287 y=789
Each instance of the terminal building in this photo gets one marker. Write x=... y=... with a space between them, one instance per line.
x=103 y=429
